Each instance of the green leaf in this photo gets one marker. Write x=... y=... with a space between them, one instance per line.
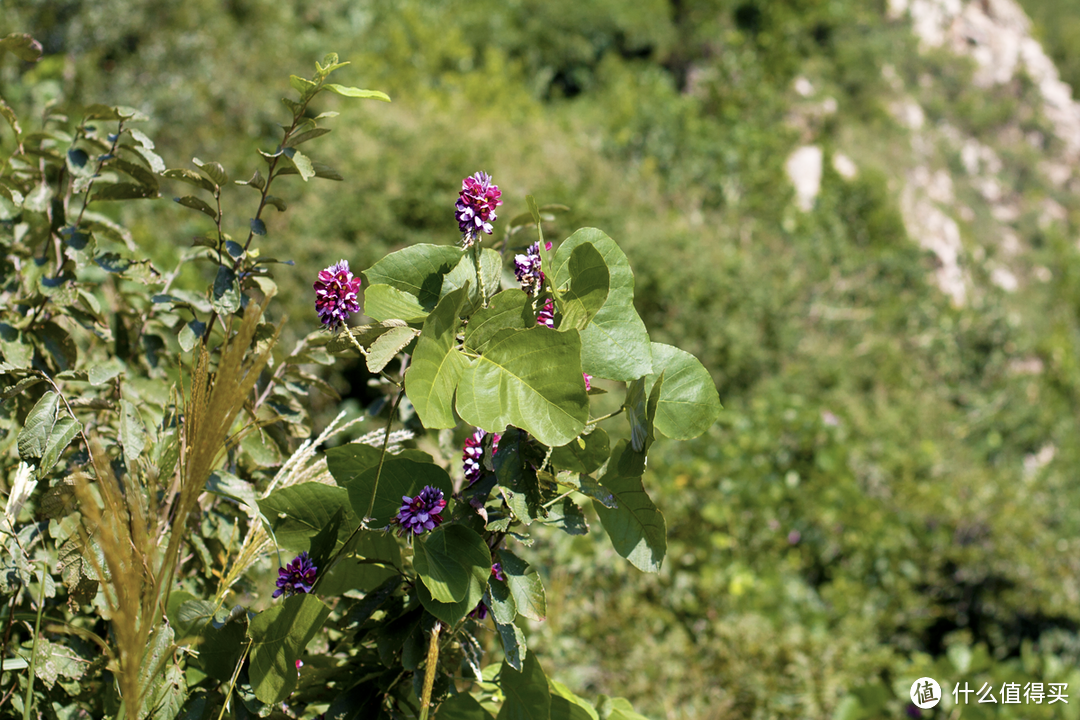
x=191 y=178
x=277 y=202
x=34 y=436
x=517 y=477
x=508 y=309
x=112 y=262
x=298 y=512
x=213 y=171
x=525 y=585
x=636 y=527
x=197 y=204
x=258 y=226
x=583 y=271
x=56 y=341
x=514 y=646
x=22 y=46
x=500 y=601
x=221 y=644
x=583 y=454
x=301 y=162
x=10 y=116
x=279 y=636
x=462 y=707
x=400 y=477
x=530 y=379
x=416 y=270
x=568 y=517
x=63 y=432
x=132 y=432
x=387 y=346
x=464 y=274
x=448 y=558
x=575 y=708
x=527 y=694
x=363 y=334
x=689 y=403
x=326 y=172
x=305 y=136
x=356 y=92
x=140 y=174
x=451 y=613
x=190 y=334
x=437 y=365
x=615 y=345
x=617 y=709
x=348 y=462
x=124 y=191
x=352 y=574
x=226 y=296
x=37 y=200
x=384 y=302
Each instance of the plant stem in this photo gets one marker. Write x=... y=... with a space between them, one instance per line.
x=607 y=417
x=479 y=272
x=33 y=650
x=429 y=671
x=232 y=682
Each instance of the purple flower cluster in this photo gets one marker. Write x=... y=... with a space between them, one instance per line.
x=546 y=316
x=475 y=208
x=481 y=610
x=472 y=454
x=588 y=381
x=296 y=577
x=336 y=293
x=421 y=513
x=497 y=572
x=527 y=269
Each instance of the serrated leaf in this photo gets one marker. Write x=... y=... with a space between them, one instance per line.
x=302 y=85
x=689 y=403
x=190 y=177
x=22 y=46
x=124 y=191
x=356 y=92
x=615 y=344
x=63 y=432
x=112 y=262
x=34 y=436
x=387 y=346
x=530 y=379
x=152 y=159
x=448 y=558
x=10 y=116
x=636 y=527
x=190 y=334
x=226 y=295
x=197 y=204
x=527 y=694
x=279 y=636
x=437 y=365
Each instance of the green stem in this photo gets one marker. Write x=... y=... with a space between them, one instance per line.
x=429 y=671
x=29 y=700
x=607 y=417
x=480 y=272
x=232 y=682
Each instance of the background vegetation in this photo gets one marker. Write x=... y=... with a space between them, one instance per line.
x=890 y=490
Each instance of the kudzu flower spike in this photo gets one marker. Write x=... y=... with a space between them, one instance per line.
x=296 y=577
x=527 y=269
x=421 y=513
x=475 y=208
x=473 y=454
x=336 y=295
x=546 y=316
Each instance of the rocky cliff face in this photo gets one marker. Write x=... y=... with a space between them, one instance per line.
x=959 y=198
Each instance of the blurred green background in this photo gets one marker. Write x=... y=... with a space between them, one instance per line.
x=890 y=490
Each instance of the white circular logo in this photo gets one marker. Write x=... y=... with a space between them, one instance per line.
x=925 y=692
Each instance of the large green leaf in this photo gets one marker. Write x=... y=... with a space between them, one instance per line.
x=462 y=707
x=416 y=270
x=464 y=273
x=527 y=694
x=63 y=432
x=615 y=345
x=525 y=585
x=279 y=635
x=517 y=476
x=450 y=557
x=689 y=403
x=636 y=527
x=508 y=309
x=437 y=365
x=34 y=436
x=348 y=462
x=583 y=454
x=385 y=302
x=515 y=648
x=452 y=613
x=297 y=513
x=566 y=705
x=384 y=349
x=530 y=379
x=583 y=274
x=400 y=477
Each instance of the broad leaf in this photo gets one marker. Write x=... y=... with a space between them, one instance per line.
x=464 y=274
x=525 y=585
x=132 y=432
x=226 y=296
x=452 y=613
x=417 y=270
x=63 y=432
x=518 y=483
x=636 y=527
x=527 y=694
x=583 y=454
x=508 y=309
x=34 y=436
x=530 y=379
x=462 y=707
x=298 y=512
x=448 y=558
x=279 y=636
x=515 y=648
x=363 y=334
x=585 y=278
x=400 y=477
x=356 y=92
x=385 y=302
x=387 y=346
x=689 y=403
x=615 y=345
x=437 y=365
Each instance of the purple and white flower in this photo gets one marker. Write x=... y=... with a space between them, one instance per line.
x=475 y=208
x=336 y=295
x=421 y=513
x=297 y=577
